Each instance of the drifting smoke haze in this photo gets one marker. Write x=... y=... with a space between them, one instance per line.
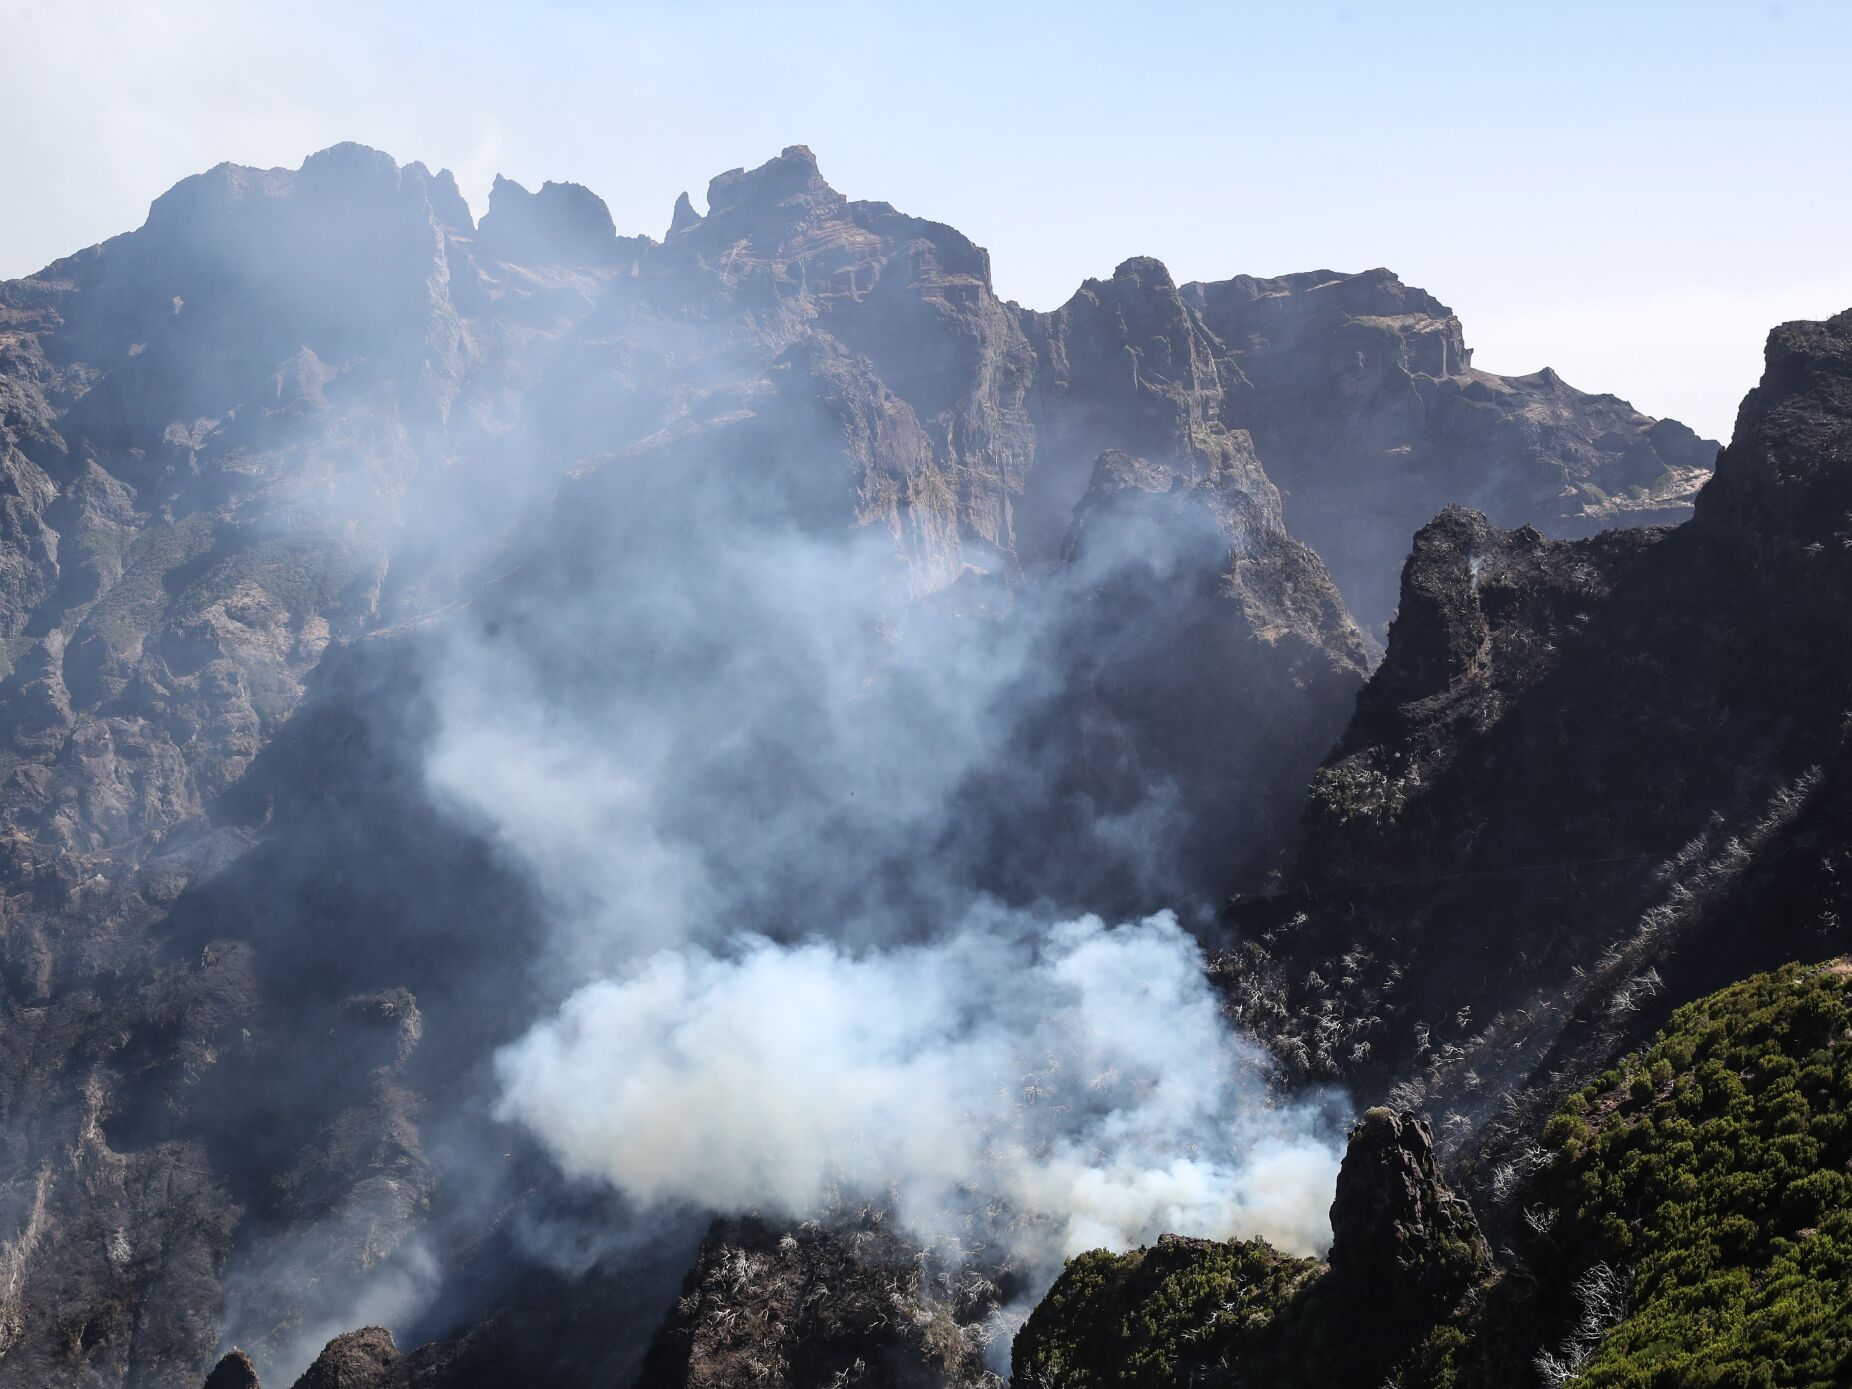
x=770 y=790
x=689 y=730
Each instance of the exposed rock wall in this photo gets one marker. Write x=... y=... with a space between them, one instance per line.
x=1573 y=753
x=255 y=447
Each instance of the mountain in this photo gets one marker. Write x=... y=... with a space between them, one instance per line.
x=385 y=596
x=1566 y=785
x=1363 y=402
x=1572 y=883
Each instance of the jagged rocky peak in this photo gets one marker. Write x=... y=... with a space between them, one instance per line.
x=784 y=224
x=1782 y=495
x=447 y=199
x=1441 y=627
x=1484 y=616
x=1142 y=296
x=238 y=270
x=780 y=255
x=234 y=1371
x=790 y=186
x=563 y=224
x=1401 y=1241
x=1252 y=314
x=1142 y=301
x=335 y=189
x=684 y=215
x=1126 y=364
x=1141 y=272
x=1370 y=415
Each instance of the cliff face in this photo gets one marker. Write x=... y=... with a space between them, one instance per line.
x=1365 y=406
x=257 y=456
x=1562 y=802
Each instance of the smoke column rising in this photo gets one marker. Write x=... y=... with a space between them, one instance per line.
x=737 y=753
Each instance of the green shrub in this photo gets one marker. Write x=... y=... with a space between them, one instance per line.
x=1721 y=1184
x=1147 y=1319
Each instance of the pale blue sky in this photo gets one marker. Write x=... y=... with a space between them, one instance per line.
x=1632 y=193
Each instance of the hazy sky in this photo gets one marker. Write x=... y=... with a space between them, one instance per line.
x=1631 y=193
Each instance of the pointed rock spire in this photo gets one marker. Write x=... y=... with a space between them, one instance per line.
x=1401 y=1240
x=684 y=217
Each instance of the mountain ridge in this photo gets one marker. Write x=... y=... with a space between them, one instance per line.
x=272 y=459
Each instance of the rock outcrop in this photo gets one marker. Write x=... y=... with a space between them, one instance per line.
x=1406 y=1268
x=363 y=1359
x=563 y=224
x=234 y=1371
x=1403 y=1246
x=812 y=1308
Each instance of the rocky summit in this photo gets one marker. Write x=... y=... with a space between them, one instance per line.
x=434 y=651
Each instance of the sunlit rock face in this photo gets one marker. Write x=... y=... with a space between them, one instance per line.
x=1369 y=415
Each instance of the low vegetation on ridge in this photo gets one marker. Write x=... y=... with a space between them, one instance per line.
x=1689 y=1226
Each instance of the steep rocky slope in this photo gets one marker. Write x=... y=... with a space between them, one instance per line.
x=1583 y=773
x=262 y=456
x=1363 y=401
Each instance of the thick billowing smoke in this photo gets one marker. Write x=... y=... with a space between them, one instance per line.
x=1083 y=1075
x=785 y=808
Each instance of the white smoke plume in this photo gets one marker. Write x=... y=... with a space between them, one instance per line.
x=1080 y=1074
x=827 y=909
